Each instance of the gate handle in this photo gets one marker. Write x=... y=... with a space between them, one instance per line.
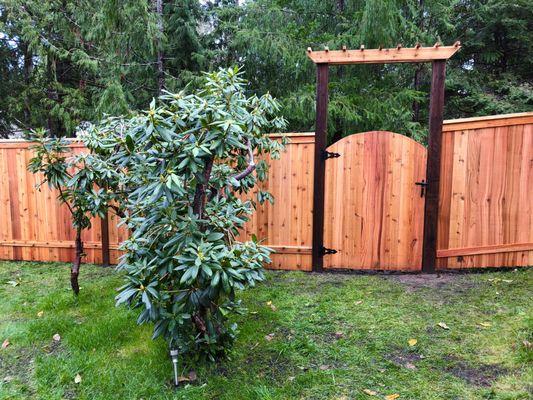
x=422 y=185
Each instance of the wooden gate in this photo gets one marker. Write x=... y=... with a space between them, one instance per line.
x=374 y=211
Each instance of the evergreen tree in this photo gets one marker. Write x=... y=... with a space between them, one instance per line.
x=68 y=62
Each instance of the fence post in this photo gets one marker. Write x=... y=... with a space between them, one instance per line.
x=104 y=225
x=319 y=165
x=431 y=207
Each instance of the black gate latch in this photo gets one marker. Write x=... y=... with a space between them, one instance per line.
x=325 y=251
x=423 y=186
x=327 y=154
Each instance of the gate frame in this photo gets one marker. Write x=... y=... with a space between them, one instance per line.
x=437 y=55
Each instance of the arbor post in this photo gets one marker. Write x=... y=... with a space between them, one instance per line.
x=319 y=165
x=431 y=208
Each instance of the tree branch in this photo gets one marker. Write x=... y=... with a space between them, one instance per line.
x=251 y=164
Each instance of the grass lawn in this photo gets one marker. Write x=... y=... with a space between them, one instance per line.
x=326 y=336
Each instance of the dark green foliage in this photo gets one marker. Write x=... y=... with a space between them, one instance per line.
x=68 y=62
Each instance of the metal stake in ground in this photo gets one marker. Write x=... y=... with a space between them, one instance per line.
x=174 y=357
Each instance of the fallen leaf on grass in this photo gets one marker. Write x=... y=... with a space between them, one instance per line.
x=269 y=337
x=485 y=324
x=56 y=337
x=324 y=367
x=40 y=314
x=183 y=379
x=527 y=344
x=12 y=283
x=291 y=378
x=392 y=396
x=339 y=335
x=5 y=344
x=358 y=302
x=272 y=306
x=370 y=392
x=77 y=378
x=443 y=325
x=8 y=378
x=507 y=280
x=412 y=342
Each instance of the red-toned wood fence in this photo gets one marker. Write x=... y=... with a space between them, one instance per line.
x=486 y=192
x=485 y=207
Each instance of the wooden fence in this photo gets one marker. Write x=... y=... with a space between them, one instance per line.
x=33 y=225
x=485 y=207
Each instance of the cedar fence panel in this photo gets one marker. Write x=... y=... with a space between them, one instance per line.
x=35 y=227
x=486 y=192
x=286 y=225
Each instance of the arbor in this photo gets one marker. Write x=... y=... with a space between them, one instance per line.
x=188 y=166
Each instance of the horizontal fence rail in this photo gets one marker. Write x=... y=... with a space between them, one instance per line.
x=485 y=205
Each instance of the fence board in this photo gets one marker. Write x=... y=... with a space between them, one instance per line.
x=286 y=225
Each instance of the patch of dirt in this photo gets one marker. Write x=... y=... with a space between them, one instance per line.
x=414 y=282
x=274 y=366
x=405 y=359
x=480 y=375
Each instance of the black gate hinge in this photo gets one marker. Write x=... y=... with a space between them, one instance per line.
x=328 y=154
x=325 y=251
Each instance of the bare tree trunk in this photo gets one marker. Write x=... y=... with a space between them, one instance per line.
x=416 y=86
x=338 y=132
x=28 y=66
x=419 y=67
x=160 y=69
x=51 y=93
x=75 y=269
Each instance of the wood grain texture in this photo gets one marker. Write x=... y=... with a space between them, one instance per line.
x=33 y=225
x=383 y=56
x=286 y=225
x=433 y=171
x=491 y=121
x=486 y=202
x=374 y=211
x=321 y=135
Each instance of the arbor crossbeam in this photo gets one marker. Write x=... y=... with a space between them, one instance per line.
x=397 y=54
